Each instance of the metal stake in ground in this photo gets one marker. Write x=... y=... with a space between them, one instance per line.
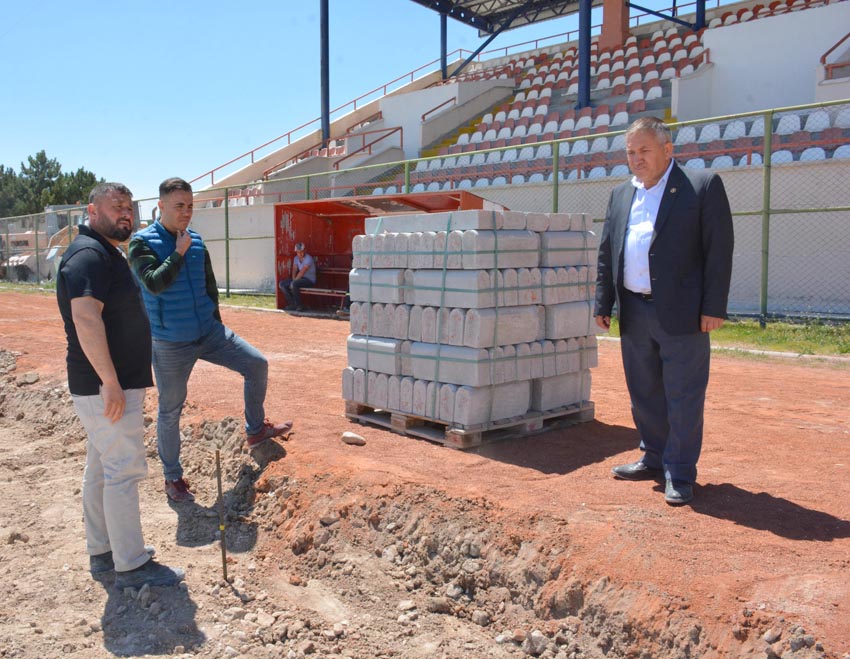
x=220 y=504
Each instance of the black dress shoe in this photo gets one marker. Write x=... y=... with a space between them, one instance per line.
x=677 y=493
x=637 y=471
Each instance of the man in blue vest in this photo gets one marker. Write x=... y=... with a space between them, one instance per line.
x=181 y=298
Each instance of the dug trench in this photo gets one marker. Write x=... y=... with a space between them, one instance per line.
x=323 y=563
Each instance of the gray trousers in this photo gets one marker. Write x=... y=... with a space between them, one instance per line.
x=667 y=376
x=115 y=463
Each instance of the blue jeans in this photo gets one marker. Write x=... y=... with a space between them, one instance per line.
x=292 y=290
x=173 y=362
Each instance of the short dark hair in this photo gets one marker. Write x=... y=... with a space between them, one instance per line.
x=173 y=184
x=651 y=125
x=102 y=189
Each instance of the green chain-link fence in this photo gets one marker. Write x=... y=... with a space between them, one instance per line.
x=787 y=173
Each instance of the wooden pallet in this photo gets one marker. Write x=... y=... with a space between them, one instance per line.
x=410 y=425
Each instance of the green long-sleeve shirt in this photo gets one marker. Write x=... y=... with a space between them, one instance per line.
x=156 y=276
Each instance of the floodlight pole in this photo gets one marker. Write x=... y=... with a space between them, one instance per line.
x=326 y=103
x=584 y=8
x=444 y=44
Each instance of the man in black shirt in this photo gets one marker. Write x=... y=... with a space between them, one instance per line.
x=109 y=368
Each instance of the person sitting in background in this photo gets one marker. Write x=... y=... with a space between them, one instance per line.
x=303 y=276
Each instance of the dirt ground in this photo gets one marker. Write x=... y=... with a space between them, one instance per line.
x=404 y=548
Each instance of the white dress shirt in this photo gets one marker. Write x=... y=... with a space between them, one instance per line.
x=640 y=232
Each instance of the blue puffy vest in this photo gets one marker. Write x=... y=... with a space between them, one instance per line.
x=183 y=311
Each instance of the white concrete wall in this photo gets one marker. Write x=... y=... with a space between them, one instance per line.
x=831 y=90
x=406 y=110
x=690 y=95
x=766 y=63
x=252 y=256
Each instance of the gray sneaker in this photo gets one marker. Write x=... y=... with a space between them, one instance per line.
x=151 y=573
x=101 y=563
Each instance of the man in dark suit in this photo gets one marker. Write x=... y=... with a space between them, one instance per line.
x=665 y=258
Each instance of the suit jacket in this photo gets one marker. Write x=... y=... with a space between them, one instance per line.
x=690 y=257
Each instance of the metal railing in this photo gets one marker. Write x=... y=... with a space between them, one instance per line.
x=410 y=76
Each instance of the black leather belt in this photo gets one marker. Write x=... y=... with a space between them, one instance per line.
x=646 y=297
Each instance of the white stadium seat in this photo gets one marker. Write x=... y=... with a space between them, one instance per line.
x=695 y=163
x=579 y=146
x=788 y=124
x=599 y=145
x=754 y=159
x=817 y=121
x=781 y=157
x=618 y=143
x=812 y=153
x=721 y=162
x=842 y=119
x=841 y=152
x=685 y=135
x=709 y=133
x=734 y=130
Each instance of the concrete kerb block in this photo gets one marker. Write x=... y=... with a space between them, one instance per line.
x=374 y=285
x=570 y=319
x=549 y=393
x=566 y=248
x=375 y=354
x=509 y=325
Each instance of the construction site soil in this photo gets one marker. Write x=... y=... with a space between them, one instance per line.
x=405 y=548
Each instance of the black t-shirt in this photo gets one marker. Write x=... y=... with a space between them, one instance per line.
x=93 y=267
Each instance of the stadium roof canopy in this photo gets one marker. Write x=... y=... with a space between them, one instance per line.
x=489 y=16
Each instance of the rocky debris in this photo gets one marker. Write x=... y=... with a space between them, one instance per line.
x=353 y=439
x=337 y=576
x=17 y=536
x=26 y=379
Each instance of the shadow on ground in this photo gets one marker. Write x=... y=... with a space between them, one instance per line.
x=565 y=450
x=765 y=512
x=160 y=622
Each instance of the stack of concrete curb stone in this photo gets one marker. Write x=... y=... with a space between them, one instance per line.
x=473 y=319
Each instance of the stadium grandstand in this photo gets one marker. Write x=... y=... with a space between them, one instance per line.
x=538 y=127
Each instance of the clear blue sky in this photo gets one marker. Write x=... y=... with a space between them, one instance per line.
x=138 y=91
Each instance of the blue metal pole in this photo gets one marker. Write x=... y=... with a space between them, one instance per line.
x=444 y=44
x=326 y=96
x=584 y=8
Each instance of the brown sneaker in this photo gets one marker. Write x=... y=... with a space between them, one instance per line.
x=178 y=490
x=268 y=431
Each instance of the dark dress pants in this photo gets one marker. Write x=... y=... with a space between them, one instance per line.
x=667 y=376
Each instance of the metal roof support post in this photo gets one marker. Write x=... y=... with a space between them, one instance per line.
x=326 y=96
x=700 y=15
x=504 y=26
x=672 y=17
x=444 y=20
x=584 y=53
